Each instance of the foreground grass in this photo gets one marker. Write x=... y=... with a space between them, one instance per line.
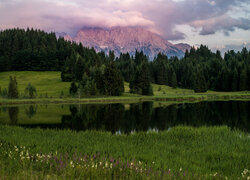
x=49 y=88
x=181 y=153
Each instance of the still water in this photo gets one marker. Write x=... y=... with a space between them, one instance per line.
x=127 y=118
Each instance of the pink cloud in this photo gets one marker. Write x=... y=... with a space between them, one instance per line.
x=160 y=16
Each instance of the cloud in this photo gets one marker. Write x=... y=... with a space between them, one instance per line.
x=161 y=16
x=65 y=16
x=236 y=48
x=222 y=23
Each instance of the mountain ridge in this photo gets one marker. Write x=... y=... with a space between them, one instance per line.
x=127 y=39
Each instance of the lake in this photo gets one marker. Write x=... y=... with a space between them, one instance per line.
x=128 y=118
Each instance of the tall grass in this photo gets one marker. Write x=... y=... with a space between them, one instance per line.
x=203 y=152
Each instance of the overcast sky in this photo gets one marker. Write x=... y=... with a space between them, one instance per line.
x=219 y=24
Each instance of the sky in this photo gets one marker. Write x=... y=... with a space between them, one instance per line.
x=220 y=24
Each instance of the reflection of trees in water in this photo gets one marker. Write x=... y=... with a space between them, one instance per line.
x=95 y=117
x=111 y=117
x=232 y=113
x=13 y=114
x=31 y=110
x=142 y=116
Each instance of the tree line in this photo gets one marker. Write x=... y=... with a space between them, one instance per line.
x=200 y=69
x=93 y=73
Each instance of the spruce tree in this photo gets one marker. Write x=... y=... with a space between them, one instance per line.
x=13 y=91
x=243 y=80
x=134 y=83
x=144 y=80
x=113 y=81
x=73 y=88
x=234 y=81
x=174 y=80
x=200 y=82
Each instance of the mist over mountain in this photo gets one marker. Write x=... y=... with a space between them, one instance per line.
x=126 y=39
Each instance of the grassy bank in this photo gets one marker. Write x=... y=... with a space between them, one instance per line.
x=49 y=88
x=181 y=153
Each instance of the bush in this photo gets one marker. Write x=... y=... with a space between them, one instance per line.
x=30 y=91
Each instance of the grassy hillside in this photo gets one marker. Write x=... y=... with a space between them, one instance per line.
x=49 y=84
x=45 y=82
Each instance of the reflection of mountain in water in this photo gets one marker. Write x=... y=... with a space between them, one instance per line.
x=143 y=117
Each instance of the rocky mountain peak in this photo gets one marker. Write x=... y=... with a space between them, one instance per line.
x=127 y=39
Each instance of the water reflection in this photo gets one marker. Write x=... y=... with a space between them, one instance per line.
x=31 y=111
x=13 y=114
x=120 y=118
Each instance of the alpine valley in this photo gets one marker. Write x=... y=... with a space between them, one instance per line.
x=126 y=39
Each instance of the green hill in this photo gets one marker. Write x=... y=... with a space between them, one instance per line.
x=49 y=84
x=45 y=82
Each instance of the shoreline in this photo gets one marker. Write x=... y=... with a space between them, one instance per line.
x=124 y=99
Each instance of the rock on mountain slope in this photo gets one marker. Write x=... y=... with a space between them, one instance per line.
x=127 y=39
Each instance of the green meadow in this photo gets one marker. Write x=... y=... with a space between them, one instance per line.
x=181 y=153
x=50 y=87
x=45 y=82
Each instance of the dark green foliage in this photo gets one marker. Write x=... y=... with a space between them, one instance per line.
x=160 y=69
x=229 y=74
x=200 y=84
x=87 y=86
x=32 y=50
x=243 y=80
x=234 y=80
x=141 y=83
x=248 y=77
x=73 y=88
x=90 y=88
x=113 y=81
x=30 y=91
x=12 y=90
x=174 y=80
x=140 y=58
x=126 y=65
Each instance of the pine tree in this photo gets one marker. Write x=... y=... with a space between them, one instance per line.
x=134 y=83
x=141 y=81
x=73 y=88
x=234 y=81
x=243 y=80
x=161 y=75
x=200 y=82
x=174 y=80
x=13 y=91
x=248 y=77
x=113 y=81
x=144 y=80
x=90 y=88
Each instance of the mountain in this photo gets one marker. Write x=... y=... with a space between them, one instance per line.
x=127 y=39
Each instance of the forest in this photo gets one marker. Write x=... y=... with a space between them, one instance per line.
x=95 y=73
